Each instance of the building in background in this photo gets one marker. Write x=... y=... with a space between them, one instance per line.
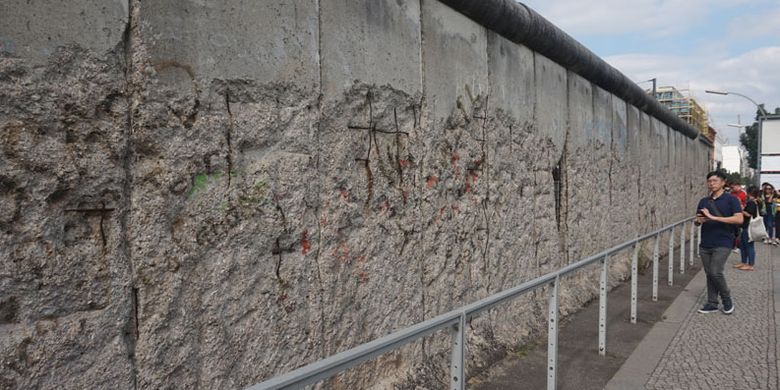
x=684 y=106
x=735 y=160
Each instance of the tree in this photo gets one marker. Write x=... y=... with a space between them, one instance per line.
x=750 y=140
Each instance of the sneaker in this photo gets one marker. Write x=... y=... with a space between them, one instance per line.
x=710 y=308
x=728 y=306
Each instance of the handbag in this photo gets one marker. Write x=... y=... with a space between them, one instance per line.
x=756 y=229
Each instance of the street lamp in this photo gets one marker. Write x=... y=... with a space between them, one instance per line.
x=761 y=120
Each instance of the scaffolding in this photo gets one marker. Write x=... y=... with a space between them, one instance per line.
x=684 y=106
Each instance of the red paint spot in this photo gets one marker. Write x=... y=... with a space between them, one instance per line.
x=455 y=157
x=362 y=276
x=404 y=163
x=455 y=207
x=467 y=187
x=361 y=259
x=342 y=253
x=405 y=194
x=344 y=195
x=439 y=215
x=474 y=176
x=323 y=221
x=384 y=206
x=305 y=244
x=432 y=181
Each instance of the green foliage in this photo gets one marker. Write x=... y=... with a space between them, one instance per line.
x=735 y=177
x=199 y=182
x=750 y=140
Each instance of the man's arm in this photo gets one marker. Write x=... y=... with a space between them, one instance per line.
x=736 y=217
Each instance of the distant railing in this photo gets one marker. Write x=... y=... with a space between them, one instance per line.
x=455 y=320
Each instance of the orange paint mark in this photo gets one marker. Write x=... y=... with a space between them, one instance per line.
x=362 y=276
x=344 y=195
x=361 y=259
x=474 y=176
x=305 y=244
x=432 y=181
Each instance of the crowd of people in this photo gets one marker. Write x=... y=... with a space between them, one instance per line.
x=724 y=217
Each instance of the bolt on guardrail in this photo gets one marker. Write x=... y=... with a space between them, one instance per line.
x=455 y=320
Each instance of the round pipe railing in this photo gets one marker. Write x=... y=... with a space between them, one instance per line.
x=455 y=320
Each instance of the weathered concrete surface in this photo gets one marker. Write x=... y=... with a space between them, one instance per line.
x=376 y=41
x=34 y=29
x=456 y=47
x=65 y=292
x=281 y=183
x=197 y=40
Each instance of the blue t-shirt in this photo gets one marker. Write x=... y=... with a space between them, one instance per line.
x=718 y=234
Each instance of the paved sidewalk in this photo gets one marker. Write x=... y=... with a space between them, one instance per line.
x=688 y=350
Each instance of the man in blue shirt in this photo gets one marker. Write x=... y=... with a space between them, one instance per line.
x=719 y=216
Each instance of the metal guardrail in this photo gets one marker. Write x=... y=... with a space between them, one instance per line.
x=455 y=320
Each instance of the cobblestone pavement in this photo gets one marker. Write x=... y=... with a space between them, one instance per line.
x=717 y=351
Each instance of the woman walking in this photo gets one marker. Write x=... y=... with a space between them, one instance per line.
x=767 y=210
x=747 y=248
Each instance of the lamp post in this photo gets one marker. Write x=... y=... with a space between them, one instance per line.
x=760 y=124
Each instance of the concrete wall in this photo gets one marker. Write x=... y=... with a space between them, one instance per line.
x=204 y=195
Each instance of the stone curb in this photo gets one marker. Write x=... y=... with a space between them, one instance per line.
x=636 y=371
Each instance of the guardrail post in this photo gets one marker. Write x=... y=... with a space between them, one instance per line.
x=698 y=232
x=682 y=248
x=552 y=335
x=457 y=371
x=634 y=275
x=603 y=307
x=693 y=244
x=671 y=256
x=655 y=266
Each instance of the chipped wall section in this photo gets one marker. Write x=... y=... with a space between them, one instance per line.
x=66 y=300
x=205 y=196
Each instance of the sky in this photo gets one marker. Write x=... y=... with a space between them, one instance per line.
x=726 y=45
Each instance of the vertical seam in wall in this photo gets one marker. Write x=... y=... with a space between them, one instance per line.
x=318 y=211
x=131 y=327
x=423 y=103
x=486 y=162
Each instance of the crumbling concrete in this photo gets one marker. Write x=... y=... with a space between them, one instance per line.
x=205 y=196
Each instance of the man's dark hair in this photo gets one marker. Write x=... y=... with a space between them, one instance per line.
x=719 y=174
x=753 y=191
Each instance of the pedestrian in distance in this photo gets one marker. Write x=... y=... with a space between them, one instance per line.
x=736 y=190
x=719 y=215
x=767 y=209
x=747 y=248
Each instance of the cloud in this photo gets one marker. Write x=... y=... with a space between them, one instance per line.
x=753 y=74
x=653 y=18
x=765 y=24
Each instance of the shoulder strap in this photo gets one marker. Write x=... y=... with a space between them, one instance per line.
x=715 y=207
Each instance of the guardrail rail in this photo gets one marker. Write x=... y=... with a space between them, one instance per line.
x=455 y=321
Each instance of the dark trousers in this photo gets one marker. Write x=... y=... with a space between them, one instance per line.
x=747 y=248
x=713 y=260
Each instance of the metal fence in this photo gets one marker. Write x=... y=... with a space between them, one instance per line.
x=455 y=320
